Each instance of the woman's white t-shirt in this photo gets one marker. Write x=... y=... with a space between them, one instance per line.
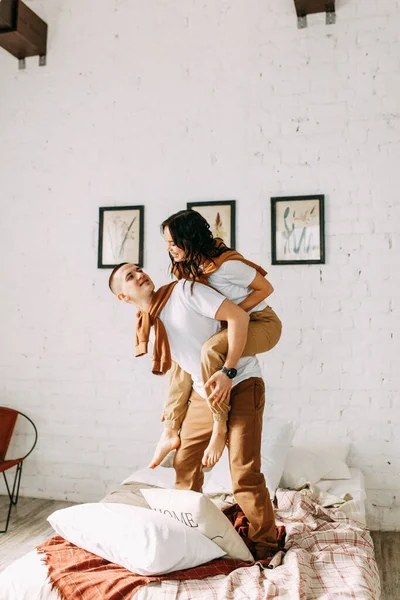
x=189 y=319
x=232 y=279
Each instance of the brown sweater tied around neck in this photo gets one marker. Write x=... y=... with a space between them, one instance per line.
x=145 y=321
x=212 y=265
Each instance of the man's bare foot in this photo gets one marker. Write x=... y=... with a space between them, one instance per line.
x=215 y=448
x=169 y=440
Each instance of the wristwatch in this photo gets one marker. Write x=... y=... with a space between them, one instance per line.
x=231 y=373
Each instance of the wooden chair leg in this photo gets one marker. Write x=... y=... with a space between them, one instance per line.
x=14 y=494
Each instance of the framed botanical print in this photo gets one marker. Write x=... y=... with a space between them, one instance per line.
x=297 y=230
x=120 y=236
x=221 y=215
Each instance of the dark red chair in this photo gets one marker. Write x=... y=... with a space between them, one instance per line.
x=8 y=419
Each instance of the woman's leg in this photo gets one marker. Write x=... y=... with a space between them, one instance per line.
x=265 y=330
x=213 y=355
x=175 y=407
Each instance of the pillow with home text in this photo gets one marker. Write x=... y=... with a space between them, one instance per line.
x=199 y=513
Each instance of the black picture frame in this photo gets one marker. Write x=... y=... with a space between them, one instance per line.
x=209 y=210
x=121 y=234
x=298 y=230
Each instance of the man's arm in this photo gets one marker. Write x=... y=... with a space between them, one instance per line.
x=238 y=321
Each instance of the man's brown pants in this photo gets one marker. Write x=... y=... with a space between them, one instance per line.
x=244 y=446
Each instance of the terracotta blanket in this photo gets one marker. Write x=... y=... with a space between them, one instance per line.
x=80 y=575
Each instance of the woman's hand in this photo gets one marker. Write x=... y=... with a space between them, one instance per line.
x=218 y=388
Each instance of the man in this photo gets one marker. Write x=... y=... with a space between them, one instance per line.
x=190 y=314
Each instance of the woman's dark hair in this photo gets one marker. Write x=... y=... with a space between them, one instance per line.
x=191 y=232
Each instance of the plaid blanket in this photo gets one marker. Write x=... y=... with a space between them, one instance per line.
x=328 y=556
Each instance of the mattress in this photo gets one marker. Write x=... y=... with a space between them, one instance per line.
x=26 y=578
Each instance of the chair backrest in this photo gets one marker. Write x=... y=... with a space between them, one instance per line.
x=8 y=418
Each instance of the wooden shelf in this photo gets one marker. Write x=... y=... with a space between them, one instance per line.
x=308 y=7
x=22 y=32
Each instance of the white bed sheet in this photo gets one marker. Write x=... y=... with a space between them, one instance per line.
x=26 y=578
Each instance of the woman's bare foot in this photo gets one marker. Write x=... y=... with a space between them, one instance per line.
x=215 y=448
x=169 y=440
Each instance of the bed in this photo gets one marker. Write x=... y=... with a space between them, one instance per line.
x=328 y=552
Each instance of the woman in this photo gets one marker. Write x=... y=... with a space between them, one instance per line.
x=197 y=256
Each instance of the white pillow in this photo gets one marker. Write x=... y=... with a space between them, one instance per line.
x=338 y=470
x=308 y=462
x=196 y=510
x=304 y=465
x=301 y=467
x=277 y=437
x=336 y=454
x=139 y=539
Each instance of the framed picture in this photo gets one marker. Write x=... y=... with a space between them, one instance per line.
x=120 y=236
x=221 y=215
x=297 y=230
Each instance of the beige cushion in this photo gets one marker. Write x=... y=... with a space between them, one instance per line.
x=198 y=512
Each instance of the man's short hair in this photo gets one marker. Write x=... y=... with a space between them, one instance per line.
x=111 y=279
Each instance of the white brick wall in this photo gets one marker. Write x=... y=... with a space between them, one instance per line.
x=163 y=102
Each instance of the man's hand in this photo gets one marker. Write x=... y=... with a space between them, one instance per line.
x=219 y=388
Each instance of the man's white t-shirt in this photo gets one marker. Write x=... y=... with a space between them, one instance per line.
x=189 y=321
x=232 y=279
